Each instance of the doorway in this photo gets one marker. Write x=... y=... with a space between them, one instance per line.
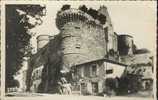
x=94 y=87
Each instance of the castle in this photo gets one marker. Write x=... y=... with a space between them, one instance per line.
x=86 y=52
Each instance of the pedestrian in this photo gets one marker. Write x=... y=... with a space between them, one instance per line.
x=68 y=86
x=60 y=87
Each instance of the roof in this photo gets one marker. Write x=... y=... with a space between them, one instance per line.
x=104 y=60
x=115 y=33
x=120 y=35
x=142 y=51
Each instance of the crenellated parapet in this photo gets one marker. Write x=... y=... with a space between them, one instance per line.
x=75 y=15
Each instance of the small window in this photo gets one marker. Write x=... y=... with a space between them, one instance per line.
x=86 y=71
x=94 y=69
x=106 y=33
x=77 y=27
x=78 y=43
x=62 y=48
x=62 y=28
x=144 y=70
x=78 y=46
x=109 y=71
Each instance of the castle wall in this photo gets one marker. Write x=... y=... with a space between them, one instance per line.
x=111 y=36
x=108 y=27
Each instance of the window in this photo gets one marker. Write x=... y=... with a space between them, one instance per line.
x=110 y=71
x=86 y=71
x=78 y=42
x=82 y=71
x=78 y=46
x=144 y=70
x=111 y=52
x=94 y=69
x=76 y=27
x=62 y=47
x=106 y=33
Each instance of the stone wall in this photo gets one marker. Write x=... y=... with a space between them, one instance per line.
x=108 y=26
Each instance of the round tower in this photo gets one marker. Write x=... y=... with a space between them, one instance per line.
x=42 y=40
x=83 y=37
x=125 y=45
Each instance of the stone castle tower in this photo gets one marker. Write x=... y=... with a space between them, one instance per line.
x=84 y=34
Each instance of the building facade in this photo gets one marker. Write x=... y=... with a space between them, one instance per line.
x=91 y=77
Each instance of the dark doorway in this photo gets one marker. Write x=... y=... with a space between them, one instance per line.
x=94 y=87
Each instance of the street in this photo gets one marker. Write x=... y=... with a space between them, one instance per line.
x=72 y=97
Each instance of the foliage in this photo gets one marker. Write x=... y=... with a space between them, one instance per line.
x=65 y=7
x=130 y=82
x=83 y=8
x=94 y=13
x=17 y=35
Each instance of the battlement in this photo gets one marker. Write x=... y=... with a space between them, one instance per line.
x=89 y=16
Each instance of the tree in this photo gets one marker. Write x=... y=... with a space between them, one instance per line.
x=83 y=8
x=93 y=13
x=65 y=7
x=18 y=37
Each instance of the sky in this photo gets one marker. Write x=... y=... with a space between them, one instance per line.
x=135 y=18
